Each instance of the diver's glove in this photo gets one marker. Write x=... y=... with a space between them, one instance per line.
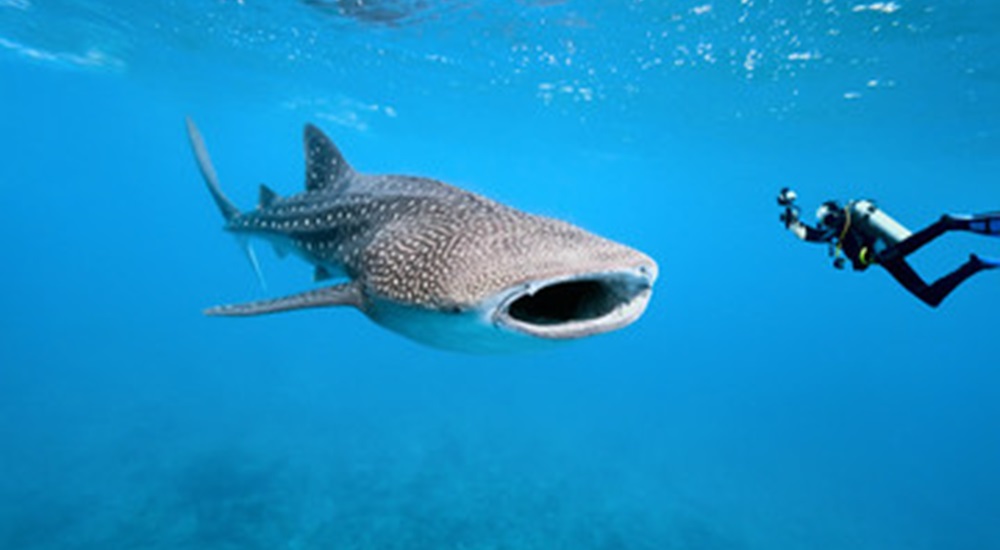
x=790 y=216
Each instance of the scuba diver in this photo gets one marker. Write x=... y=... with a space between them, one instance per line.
x=868 y=236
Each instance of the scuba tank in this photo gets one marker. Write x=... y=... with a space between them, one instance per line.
x=872 y=222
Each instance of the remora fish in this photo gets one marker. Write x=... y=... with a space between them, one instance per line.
x=435 y=263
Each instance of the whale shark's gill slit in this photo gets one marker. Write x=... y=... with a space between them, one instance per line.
x=570 y=301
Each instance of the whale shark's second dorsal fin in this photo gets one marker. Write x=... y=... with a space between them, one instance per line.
x=326 y=169
x=267 y=197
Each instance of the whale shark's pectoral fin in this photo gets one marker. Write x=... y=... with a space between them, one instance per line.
x=346 y=294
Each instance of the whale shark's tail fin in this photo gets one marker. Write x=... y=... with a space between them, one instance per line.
x=226 y=206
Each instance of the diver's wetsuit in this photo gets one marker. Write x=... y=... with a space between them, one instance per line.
x=893 y=259
x=887 y=244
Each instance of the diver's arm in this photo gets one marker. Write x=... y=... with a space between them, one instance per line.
x=805 y=232
x=809 y=234
x=790 y=217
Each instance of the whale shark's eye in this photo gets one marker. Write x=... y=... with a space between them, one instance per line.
x=570 y=301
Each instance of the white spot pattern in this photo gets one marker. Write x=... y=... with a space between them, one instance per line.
x=423 y=242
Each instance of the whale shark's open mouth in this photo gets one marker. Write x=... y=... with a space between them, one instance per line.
x=576 y=306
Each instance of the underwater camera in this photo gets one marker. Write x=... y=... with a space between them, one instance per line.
x=786 y=196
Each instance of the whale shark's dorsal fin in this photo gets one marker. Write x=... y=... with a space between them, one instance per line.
x=326 y=169
x=267 y=197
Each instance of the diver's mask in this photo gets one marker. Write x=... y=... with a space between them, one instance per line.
x=830 y=216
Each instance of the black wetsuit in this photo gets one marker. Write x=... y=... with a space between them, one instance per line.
x=894 y=261
x=859 y=247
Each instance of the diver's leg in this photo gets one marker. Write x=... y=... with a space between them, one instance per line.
x=932 y=295
x=910 y=245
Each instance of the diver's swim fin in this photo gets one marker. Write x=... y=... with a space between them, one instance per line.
x=986 y=224
x=986 y=263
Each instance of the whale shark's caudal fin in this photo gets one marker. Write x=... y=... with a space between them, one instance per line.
x=252 y=258
x=226 y=206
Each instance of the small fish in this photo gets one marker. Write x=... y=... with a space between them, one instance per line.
x=435 y=263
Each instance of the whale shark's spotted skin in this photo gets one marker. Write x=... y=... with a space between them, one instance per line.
x=439 y=264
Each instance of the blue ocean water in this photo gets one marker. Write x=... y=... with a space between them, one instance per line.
x=765 y=400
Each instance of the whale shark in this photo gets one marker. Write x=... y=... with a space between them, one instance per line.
x=435 y=263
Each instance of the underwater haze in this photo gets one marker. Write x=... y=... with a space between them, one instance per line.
x=764 y=401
